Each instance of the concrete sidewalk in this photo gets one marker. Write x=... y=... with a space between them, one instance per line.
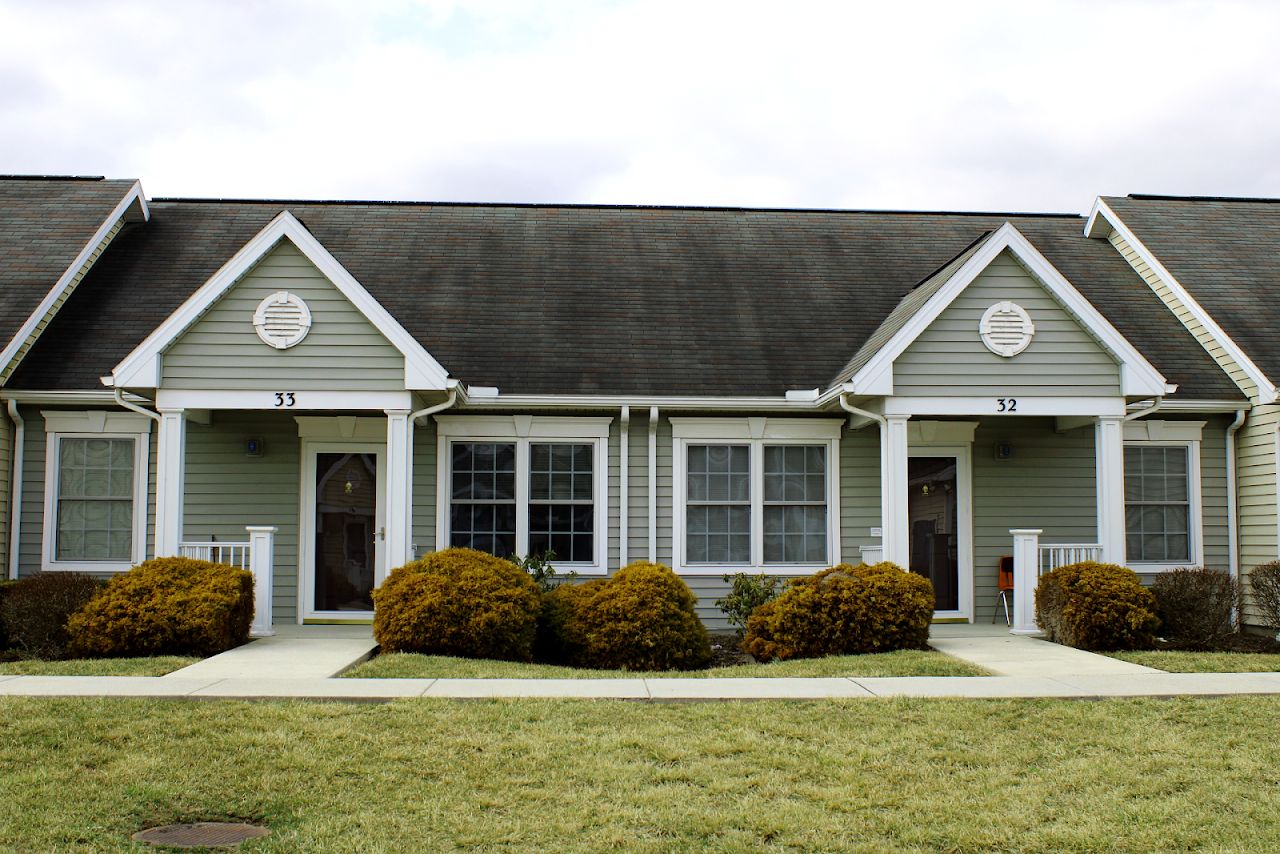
x=995 y=650
x=1155 y=684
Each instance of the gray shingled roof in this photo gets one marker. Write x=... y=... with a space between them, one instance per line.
x=44 y=223
x=1226 y=252
x=594 y=300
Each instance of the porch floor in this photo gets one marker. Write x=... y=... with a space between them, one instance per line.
x=993 y=648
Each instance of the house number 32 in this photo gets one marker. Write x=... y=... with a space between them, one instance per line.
x=285 y=399
x=1006 y=404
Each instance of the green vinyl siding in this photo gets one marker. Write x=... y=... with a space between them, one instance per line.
x=226 y=489
x=1213 y=492
x=1256 y=484
x=949 y=357
x=424 y=487
x=859 y=491
x=33 y=485
x=342 y=352
x=638 y=487
x=6 y=463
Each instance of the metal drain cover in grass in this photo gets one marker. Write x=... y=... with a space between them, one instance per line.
x=202 y=834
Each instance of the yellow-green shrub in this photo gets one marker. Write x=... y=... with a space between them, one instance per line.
x=643 y=618
x=459 y=602
x=1096 y=606
x=166 y=606
x=843 y=610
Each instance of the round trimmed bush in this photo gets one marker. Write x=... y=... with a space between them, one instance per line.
x=34 y=611
x=1096 y=606
x=459 y=602
x=166 y=606
x=642 y=618
x=843 y=610
x=1197 y=606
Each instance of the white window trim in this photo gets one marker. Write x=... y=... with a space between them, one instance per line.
x=522 y=430
x=755 y=433
x=1174 y=434
x=95 y=424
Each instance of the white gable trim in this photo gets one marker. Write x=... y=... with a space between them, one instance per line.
x=1138 y=377
x=132 y=206
x=141 y=368
x=1102 y=217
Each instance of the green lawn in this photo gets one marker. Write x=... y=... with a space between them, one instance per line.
x=902 y=663
x=153 y=666
x=1203 y=662
x=585 y=776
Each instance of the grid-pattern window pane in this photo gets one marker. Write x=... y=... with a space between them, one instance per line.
x=1157 y=496
x=718 y=504
x=482 y=512
x=95 y=500
x=561 y=501
x=795 y=504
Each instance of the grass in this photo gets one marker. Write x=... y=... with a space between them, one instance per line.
x=399 y=665
x=157 y=665
x=1179 y=661
x=577 y=776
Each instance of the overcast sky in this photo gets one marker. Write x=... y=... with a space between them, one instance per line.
x=1026 y=105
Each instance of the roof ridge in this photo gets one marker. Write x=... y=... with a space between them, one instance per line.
x=53 y=178
x=1174 y=198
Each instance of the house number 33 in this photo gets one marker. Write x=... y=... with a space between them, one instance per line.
x=1003 y=404
x=286 y=399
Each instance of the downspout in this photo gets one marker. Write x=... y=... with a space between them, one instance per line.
x=1156 y=403
x=1233 y=536
x=15 y=495
x=449 y=401
x=119 y=396
x=624 y=466
x=653 y=484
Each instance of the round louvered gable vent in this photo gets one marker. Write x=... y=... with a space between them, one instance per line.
x=1006 y=329
x=282 y=320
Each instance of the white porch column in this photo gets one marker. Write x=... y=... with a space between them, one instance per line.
x=1109 y=454
x=399 y=512
x=1026 y=575
x=893 y=490
x=171 y=452
x=261 y=564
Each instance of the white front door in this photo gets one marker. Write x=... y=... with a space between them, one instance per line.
x=343 y=537
x=940 y=524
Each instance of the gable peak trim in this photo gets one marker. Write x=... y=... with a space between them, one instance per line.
x=141 y=368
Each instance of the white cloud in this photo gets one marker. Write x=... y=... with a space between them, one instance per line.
x=983 y=105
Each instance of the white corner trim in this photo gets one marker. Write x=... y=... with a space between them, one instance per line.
x=523 y=430
x=1138 y=377
x=1267 y=391
x=141 y=368
x=1164 y=431
x=31 y=326
x=95 y=424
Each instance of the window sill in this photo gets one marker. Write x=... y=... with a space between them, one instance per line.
x=87 y=567
x=1152 y=568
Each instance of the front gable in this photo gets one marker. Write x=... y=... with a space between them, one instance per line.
x=1061 y=358
x=937 y=348
x=210 y=341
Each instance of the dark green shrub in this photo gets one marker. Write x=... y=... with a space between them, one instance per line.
x=747 y=592
x=4 y=633
x=34 y=611
x=459 y=602
x=1096 y=606
x=643 y=618
x=1264 y=581
x=166 y=606
x=1197 y=606
x=844 y=610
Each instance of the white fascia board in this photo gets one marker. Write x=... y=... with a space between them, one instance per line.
x=588 y=401
x=1103 y=219
x=132 y=207
x=1138 y=376
x=141 y=368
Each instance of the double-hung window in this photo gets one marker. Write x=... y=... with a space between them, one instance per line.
x=755 y=493
x=519 y=485
x=96 y=490
x=1162 y=494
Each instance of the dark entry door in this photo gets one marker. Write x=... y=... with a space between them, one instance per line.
x=346 y=515
x=933 y=510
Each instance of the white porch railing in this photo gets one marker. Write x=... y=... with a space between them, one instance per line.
x=257 y=556
x=1054 y=555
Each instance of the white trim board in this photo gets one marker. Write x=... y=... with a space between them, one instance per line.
x=1138 y=377
x=1267 y=391
x=133 y=200
x=141 y=368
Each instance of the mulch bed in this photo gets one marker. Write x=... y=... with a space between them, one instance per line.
x=1231 y=643
x=726 y=650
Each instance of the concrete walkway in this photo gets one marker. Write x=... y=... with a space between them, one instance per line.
x=994 y=649
x=294 y=652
